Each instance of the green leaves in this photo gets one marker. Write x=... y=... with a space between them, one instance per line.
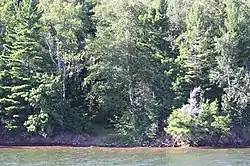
x=64 y=22
x=37 y=123
x=22 y=57
x=65 y=65
x=208 y=126
x=231 y=72
x=196 y=55
x=180 y=126
x=125 y=74
x=47 y=104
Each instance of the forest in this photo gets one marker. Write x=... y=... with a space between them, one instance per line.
x=147 y=69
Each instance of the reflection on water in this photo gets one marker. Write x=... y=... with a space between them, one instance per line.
x=123 y=157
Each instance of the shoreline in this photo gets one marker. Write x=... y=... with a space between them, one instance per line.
x=104 y=140
x=53 y=146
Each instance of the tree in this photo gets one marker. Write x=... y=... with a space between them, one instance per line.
x=66 y=27
x=199 y=122
x=231 y=72
x=21 y=59
x=125 y=70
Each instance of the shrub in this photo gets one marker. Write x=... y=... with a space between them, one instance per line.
x=180 y=124
x=205 y=124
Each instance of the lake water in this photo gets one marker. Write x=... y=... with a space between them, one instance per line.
x=123 y=157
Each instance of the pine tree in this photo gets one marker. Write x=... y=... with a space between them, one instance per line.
x=197 y=50
x=22 y=58
x=193 y=45
x=232 y=69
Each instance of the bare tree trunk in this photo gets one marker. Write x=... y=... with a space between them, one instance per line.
x=64 y=80
x=58 y=56
x=130 y=85
x=59 y=67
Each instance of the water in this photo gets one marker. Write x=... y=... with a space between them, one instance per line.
x=123 y=157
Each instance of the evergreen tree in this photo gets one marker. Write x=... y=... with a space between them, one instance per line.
x=21 y=59
x=194 y=47
x=232 y=71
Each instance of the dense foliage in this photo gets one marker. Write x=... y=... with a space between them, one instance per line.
x=128 y=65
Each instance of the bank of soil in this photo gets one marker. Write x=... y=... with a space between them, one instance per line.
x=104 y=138
x=98 y=137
